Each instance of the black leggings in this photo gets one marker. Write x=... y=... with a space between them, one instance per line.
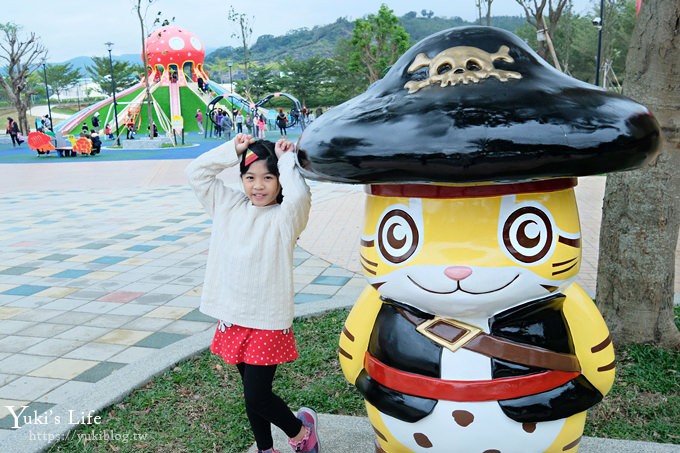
x=15 y=140
x=263 y=407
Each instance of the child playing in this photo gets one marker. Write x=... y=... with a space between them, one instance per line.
x=249 y=275
x=261 y=126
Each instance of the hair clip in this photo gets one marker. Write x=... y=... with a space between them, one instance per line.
x=250 y=157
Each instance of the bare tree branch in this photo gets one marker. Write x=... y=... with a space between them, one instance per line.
x=23 y=57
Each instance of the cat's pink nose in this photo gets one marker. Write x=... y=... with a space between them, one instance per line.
x=457 y=272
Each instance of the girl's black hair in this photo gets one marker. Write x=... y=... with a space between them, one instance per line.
x=264 y=149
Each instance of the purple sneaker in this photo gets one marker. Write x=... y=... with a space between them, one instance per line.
x=310 y=443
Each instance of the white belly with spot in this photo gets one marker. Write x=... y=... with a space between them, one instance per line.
x=470 y=427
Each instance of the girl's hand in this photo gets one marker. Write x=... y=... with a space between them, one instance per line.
x=242 y=142
x=283 y=146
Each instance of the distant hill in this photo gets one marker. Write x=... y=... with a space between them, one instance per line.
x=132 y=58
x=321 y=40
x=83 y=62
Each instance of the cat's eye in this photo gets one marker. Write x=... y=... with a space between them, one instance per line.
x=398 y=236
x=528 y=234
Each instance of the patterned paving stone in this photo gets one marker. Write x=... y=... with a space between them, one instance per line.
x=29 y=388
x=23 y=363
x=98 y=372
x=18 y=420
x=63 y=368
x=123 y=336
x=159 y=340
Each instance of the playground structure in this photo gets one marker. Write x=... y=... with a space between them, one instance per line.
x=296 y=111
x=175 y=70
x=242 y=104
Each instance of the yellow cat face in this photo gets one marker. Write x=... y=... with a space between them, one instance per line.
x=471 y=257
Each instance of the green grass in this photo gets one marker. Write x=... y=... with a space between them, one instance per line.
x=197 y=406
x=190 y=103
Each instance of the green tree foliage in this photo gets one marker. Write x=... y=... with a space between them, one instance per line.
x=262 y=81
x=61 y=77
x=619 y=22
x=343 y=83
x=420 y=27
x=124 y=73
x=377 y=42
x=304 y=79
x=575 y=40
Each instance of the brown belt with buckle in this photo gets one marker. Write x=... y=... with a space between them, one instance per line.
x=454 y=335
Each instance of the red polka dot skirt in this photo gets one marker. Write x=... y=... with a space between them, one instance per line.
x=237 y=344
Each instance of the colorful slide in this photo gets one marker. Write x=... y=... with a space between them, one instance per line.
x=78 y=118
x=175 y=103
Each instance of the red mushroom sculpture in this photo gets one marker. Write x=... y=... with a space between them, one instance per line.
x=172 y=53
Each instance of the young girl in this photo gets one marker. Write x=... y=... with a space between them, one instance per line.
x=249 y=275
x=261 y=126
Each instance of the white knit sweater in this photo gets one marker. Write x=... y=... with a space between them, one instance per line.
x=249 y=274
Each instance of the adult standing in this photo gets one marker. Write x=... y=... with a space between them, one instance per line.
x=239 y=122
x=226 y=125
x=218 y=123
x=14 y=132
x=95 y=122
x=249 y=123
x=281 y=121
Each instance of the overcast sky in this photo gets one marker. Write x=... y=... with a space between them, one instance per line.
x=72 y=28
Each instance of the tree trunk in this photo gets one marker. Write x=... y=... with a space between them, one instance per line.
x=22 y=109
x=149 y=102
x=641 y=212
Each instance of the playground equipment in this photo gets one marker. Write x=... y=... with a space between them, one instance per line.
x=40 y=142
x=174 y=55
x=175 y=60
x=296 y=112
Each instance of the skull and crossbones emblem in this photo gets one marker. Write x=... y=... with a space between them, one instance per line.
x=460 y=64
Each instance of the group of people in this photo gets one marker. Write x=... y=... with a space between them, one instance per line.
x=202 y=85
x=225 y=123
x=92 y=134
x=42 y=124
x=255 y=123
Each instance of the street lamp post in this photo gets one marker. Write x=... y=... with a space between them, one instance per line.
x=109 y=45
x=47 y=93
x=598 y=24
x=231 y=83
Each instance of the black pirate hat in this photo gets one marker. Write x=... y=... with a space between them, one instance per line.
x=475 y=104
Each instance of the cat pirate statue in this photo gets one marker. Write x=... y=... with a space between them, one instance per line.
x=472 y=335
